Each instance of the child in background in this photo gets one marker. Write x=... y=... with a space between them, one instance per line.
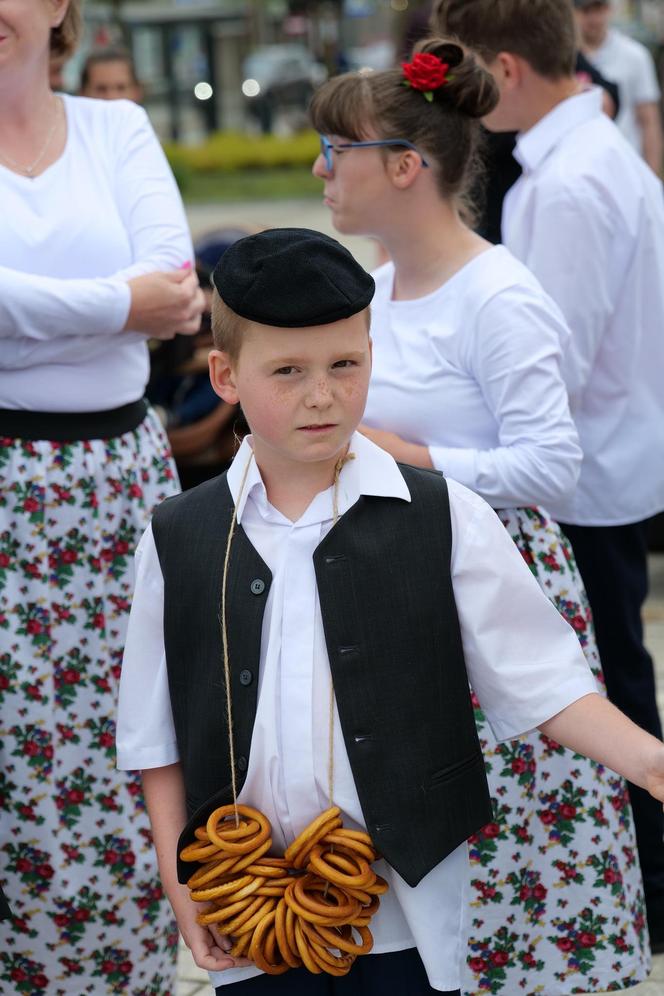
x=110 y=74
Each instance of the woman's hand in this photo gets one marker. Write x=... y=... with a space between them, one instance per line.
x=404 y=452
x=165 y=304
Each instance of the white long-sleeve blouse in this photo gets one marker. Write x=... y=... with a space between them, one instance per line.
x=472 y=371
x=107 y=210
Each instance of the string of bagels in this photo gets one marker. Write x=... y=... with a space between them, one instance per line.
x=311 y=908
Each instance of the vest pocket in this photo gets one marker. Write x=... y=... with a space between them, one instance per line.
x=453 y=770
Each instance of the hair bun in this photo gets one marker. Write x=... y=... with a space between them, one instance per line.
x=470 y=89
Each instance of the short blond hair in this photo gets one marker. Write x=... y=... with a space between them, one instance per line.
x=228 y=327
x=65 y=38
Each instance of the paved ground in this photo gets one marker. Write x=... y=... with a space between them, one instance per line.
x=312 y=214
x=309 y=213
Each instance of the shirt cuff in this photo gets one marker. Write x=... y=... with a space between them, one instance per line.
x=140 y=758
x=553 y=700
x=455 y=462
x=121 y=303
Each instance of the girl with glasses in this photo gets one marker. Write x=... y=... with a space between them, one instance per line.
x=466 y=379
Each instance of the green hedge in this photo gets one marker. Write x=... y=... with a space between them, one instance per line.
x=231 y=151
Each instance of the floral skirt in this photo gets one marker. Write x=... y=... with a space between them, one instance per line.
x=76 y=858
x=556 y=900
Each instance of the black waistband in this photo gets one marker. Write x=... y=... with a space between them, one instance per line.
x=63 y=427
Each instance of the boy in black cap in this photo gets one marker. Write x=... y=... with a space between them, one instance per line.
x=304 y=627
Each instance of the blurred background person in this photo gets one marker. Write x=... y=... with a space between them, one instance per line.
x=204 y=432
x=110 y=74
x=95 y=256
x=629 y=63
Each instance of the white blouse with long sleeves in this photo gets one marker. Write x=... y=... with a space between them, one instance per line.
x=472 y=371
x=107 y=210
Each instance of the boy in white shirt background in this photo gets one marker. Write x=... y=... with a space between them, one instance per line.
x=587 y=217
x=628 y=63
x=344 y=567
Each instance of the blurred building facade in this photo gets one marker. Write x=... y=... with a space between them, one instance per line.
x=190 y=54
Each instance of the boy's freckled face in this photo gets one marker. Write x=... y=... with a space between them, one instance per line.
x=303 y=391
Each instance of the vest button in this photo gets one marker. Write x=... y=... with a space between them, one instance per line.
x=246 y=677
x=242 y=763
x=257 y=586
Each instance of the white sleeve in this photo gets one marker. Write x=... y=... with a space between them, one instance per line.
x=646 y=90
x=48 y=307
x=145 y=736
x=579 y=251
x=147 y=198
x=515 y=357
x=524 y=660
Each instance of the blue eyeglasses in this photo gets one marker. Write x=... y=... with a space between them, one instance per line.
x=327 y=148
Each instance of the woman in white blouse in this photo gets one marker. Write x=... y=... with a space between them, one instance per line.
x=466 y=379
x=94 y=257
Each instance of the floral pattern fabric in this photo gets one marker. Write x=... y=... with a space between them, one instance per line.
x=556 y=900
x=76 y=857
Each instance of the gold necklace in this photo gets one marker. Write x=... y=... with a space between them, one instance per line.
x=29 y=170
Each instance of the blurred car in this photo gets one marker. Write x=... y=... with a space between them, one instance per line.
x=379 y=54
x=278 y=78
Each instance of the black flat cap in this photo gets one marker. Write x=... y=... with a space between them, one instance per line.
x=292 y=278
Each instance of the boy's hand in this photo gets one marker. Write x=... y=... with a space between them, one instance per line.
x=209 y=948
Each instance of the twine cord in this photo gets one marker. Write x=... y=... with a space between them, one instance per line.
x=330 y=741
x=224 y=637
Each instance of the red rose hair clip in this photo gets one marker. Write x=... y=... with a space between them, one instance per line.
x=425 y=73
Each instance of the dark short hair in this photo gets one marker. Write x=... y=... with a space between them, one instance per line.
x=540 y=31
x=110 y=54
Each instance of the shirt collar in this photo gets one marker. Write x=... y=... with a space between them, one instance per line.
x=372 y=472
x=534 y=145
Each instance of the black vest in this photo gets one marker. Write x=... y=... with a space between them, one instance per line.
x=394 y=646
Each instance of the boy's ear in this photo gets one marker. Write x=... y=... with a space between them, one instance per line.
x=222 y=376
x=508 y=70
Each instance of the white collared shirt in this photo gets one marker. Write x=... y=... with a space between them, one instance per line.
x=523 y=659
x=587 y=217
